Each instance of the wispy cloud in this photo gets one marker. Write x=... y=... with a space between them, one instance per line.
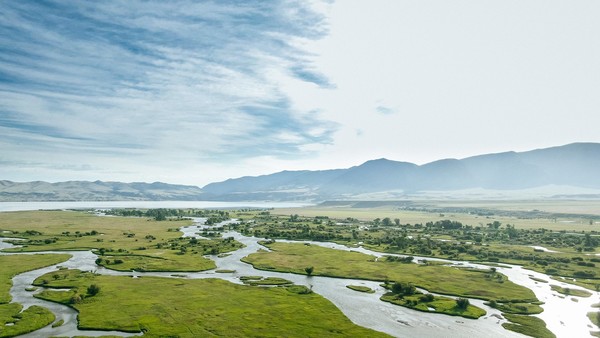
x=163 y=79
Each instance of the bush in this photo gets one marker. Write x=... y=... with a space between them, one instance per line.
x=462 y=303
x=93 y=290
x=426 y=298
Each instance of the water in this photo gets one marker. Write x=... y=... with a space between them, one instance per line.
x=563 y=316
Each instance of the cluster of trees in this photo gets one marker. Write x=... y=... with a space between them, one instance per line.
x=201 y=246
x=162 y=214
x=92 y=290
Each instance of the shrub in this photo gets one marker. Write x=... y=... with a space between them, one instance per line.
x=426 y=298
x=462 y=303
x=93 y=290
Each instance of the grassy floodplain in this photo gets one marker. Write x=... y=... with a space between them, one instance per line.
x=123 y=243
x=76 y=230
x=199 y=308
x=527 y=325
x=571 y=292
x=295 y=257
x=456 y=233
x=438 y=304
x=34 y=317
x=526 y=214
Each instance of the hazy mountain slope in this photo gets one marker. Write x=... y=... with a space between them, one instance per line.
x=574 y=165
x=95 y=191
x=375 y=175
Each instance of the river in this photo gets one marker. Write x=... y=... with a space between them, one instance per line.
x=563 y=316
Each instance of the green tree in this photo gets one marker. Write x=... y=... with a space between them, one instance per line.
x=462 y=303
x=93 y=290
x=309 y=270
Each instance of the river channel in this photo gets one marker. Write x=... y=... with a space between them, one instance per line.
x=564 y=316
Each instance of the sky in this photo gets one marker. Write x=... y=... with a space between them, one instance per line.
x=193 y=92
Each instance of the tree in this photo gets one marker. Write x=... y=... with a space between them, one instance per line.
x=462 y=303
x=93 y=290
x=397 y=288
x=403 y=289
x=426 y=298
x=309 y=270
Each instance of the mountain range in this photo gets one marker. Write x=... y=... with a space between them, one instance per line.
x=573 y=165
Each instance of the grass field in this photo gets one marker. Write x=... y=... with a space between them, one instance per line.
x=527 y=325
x=517 y=308
x=70 y=230
x=200 y=308
x=34 y=317
x=571 y=292
x=439 y=304
x=12 y=265
x=287 y=257
x=31 y=319
x=565 y=222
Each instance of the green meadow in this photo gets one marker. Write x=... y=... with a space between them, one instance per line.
x=295 y=257
x=34 y=317
x=198 y=307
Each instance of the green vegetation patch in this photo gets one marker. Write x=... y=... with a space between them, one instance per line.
x=538 y=280
x=157 y=260
x=527 y=325
x=31 y=319
x=571 y=292
x=224 y=271
x=73 y=230
x=13 y=265
x=269 y=281
x=360 y=288
x=594 y=317
x=435 y=304
x=516 y=308
x=201 y=308
x=247 y=278
x=58 y=323
x=294 y=258
x=590 y=284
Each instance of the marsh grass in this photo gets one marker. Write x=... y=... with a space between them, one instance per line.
x=74 y=230
x=360 y=288
x=527 y=325
x=201 y=308
x=158 y=260
x=292 y=257
x=268 y=281
x=31 y=319
x=12 y=265
x=439 y=304
x=516 y=308
x=571 y=292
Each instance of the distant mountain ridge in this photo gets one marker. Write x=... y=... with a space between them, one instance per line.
x=572 y=165
x=96 y=191
x=576 y=164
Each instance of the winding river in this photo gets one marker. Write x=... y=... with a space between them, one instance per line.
x=565 y=316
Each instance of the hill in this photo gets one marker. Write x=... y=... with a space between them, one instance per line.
x=573 y=165
x=565 y=171
x=96 y=191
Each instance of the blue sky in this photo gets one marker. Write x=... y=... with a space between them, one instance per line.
x=196 y=91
